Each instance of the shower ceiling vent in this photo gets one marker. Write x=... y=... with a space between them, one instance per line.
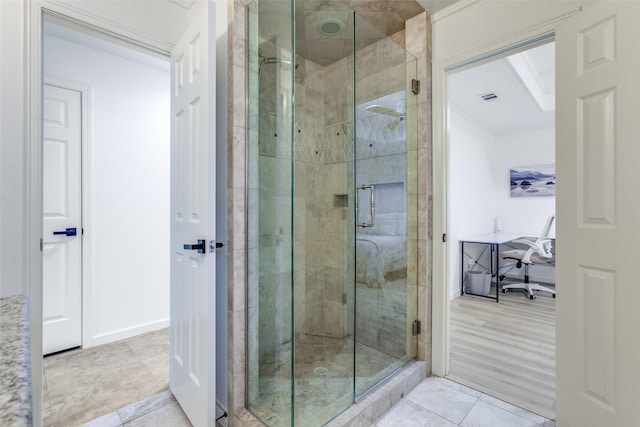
x=489 y=96
x=330 y=26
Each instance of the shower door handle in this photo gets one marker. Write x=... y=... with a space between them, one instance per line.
x=372 y=205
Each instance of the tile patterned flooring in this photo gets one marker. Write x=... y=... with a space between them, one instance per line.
x=441 y=402
x=319 y=396
x=81 y=385
x=435 y=402
x=160 y=410
x=99 y=397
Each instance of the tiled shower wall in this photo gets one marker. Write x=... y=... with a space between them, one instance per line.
x=333 y=152
x=323 y=171
x=323 y=145
x=418 y=42
x=319 y=263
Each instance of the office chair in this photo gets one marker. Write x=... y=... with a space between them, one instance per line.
x=538 y=253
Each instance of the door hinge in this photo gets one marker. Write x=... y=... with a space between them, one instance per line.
x=41 y=244
x=444 y=238
x=415 y=86
x=416 y=328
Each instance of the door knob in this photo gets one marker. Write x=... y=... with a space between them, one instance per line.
x=71 y=231
x=200 y=247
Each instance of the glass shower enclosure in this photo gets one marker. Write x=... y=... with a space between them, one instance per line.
x=331 y=210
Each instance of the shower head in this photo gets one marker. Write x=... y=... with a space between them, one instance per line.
x=399 y=113
x=277 y=61
x=287 y=62
x=386 y=111
x=264 y=61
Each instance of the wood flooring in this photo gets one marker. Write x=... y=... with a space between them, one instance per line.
x=506 y=349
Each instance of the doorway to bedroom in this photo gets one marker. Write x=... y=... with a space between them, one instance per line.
x=502 y=188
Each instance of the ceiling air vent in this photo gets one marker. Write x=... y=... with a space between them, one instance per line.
x=491 y=96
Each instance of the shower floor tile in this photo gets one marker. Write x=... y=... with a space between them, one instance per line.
x=324 y=379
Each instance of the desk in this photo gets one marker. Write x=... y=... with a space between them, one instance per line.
x=491 y=241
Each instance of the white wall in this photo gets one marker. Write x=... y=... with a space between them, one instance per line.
x=13 y=234
x=159 y=23
x=128 y=233
x=20 y=199
x=479 y=187
x=471 y=187
x=489 y=24
x=525 y=215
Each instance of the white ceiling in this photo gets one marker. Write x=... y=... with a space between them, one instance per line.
x=524 y=84
x=60 y=29
x=525 y=87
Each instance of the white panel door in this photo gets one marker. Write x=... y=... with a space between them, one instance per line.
x=192 y=347
x=598 y=155
x=62 y=212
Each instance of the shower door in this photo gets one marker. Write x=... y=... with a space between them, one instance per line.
x=330 y=303
x=385 y=158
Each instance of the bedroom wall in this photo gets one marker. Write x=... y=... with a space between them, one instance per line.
x=522 y=214
x=472 y=211
x=129 y=135
x=480 y=192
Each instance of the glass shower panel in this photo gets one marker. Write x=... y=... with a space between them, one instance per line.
x=386 y=215
x=270 y=347
x=330 y=144
x=324 y=211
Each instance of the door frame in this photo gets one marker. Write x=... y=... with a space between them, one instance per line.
x=34 y=13
x=530 y=29
x=86 y=251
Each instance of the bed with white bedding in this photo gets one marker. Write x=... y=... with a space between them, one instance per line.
x=381 y=251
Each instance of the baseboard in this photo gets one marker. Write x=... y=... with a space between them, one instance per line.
x=544 y=281
x=129 y=332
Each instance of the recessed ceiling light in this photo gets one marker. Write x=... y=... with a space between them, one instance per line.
x=330 y=26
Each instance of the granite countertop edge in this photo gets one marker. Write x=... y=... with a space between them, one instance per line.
x=15 y=362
